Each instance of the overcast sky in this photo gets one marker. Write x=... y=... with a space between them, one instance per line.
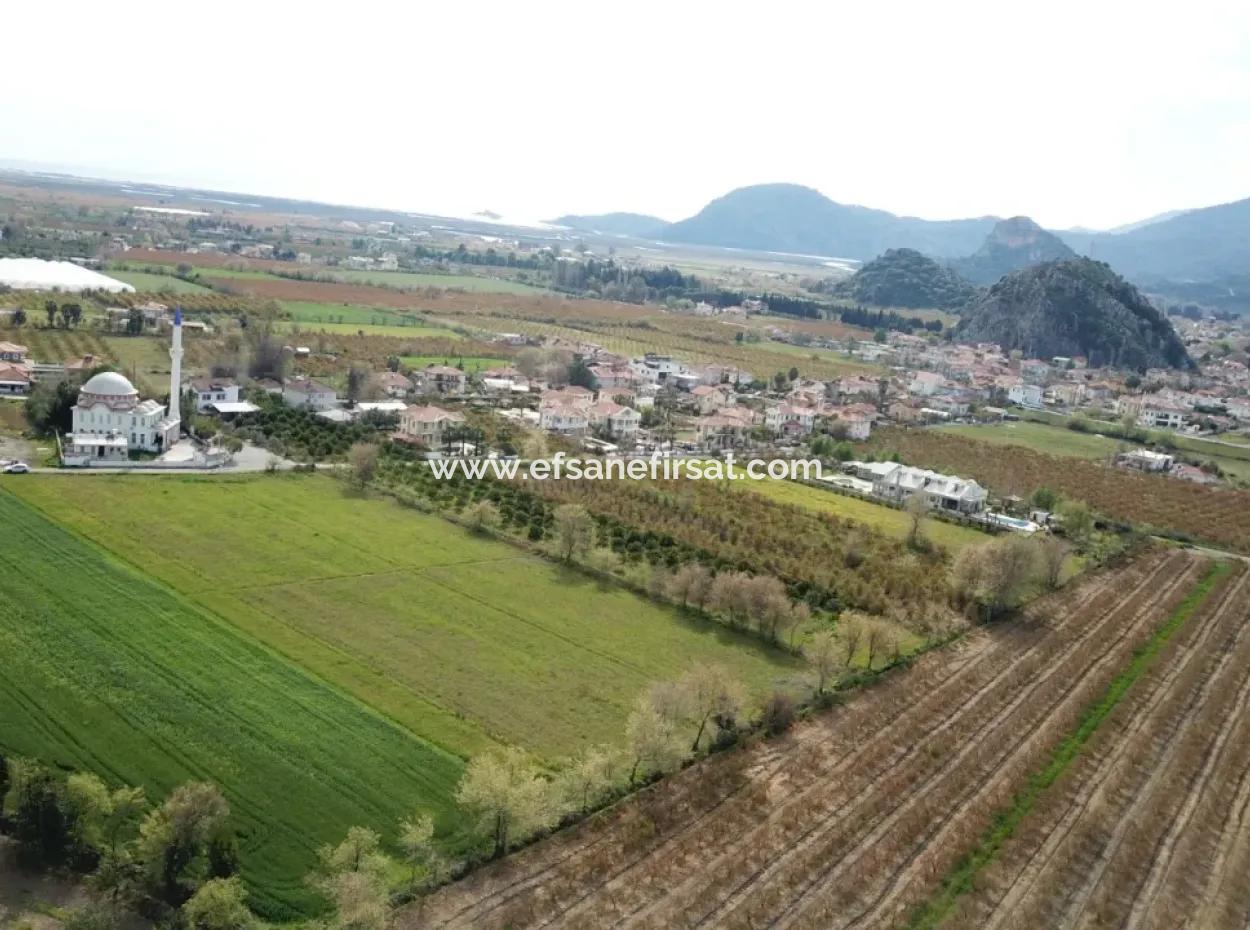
x=1092 y=113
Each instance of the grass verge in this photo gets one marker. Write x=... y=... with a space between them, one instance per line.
x=960 y=880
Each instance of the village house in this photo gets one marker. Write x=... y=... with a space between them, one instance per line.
x=444 y=379
x=620 y=421
x=14 y=379
x=12 y=352
x=393 y=384
x=894 y=482
x=1025 y=394
x=1161 y=414
x=209 y=391
x=426 y=425
x=926 y=383
x=657 y=369
x=722 y=430
x=786 y=419
x=709 y=398
x=1146 y=460
x=565 y=419
x=308 y=394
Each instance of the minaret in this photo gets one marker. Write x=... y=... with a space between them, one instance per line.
x=175 y=369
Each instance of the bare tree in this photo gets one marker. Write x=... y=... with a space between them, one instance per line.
x=851 y=632
x=917 y=509
x=822 y=652
x=994 y=574
x=1053 y=554
x=482 y=516
x=689 y=585
x=712 y=694
x=575 y=531
x=363 y=458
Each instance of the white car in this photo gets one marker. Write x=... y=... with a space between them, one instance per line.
x=16 y=468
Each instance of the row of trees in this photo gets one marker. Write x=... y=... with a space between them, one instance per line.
x=996 y=575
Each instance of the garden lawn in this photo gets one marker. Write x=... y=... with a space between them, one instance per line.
x=108 y=670
x=463 y=640
x=888 y=520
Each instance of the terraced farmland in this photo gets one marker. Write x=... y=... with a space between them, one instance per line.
x=857 y=818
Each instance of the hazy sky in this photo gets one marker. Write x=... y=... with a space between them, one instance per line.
x=1092 y=113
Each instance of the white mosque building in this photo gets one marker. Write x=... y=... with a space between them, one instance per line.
x=110 y=421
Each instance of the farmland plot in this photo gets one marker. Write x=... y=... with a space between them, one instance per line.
x=854 y=819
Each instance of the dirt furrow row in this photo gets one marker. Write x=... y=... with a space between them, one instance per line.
x=983 y=775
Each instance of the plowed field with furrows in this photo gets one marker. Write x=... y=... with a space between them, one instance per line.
x=857 y=817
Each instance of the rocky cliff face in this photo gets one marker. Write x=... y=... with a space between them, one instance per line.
x=1011 y=244
x=1074 y=307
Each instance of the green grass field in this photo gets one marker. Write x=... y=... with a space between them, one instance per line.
x=412 y=279
x=109 y=670
x=472 y=363
x=1059 y=440
x=314 y=316
x=351 y=329
x=146 y=282
x=892 y=522
x=1039 y=437
x=440 y=643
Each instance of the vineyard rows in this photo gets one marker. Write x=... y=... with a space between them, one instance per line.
x=1217 y=515
x=855 y=819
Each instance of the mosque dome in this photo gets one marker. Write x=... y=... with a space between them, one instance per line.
x=109 y=384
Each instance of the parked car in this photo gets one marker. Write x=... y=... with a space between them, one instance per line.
x=16 y=468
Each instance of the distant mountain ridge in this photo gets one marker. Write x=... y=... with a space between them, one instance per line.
x=907 y=278
x=1205 y=244
x=1074 y=307
x=1014 y=243
x=797 y=219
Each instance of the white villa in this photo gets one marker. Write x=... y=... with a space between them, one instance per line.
x=110 y=421
x=895 y=482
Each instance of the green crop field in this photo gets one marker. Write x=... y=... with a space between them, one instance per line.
x=886 y=519
x=369 y=329
x=1039 y=437
x=472 y=363
x=411 y=279
x=440 y=643
x=146 y=282
x=1059 y=440
x=314 y=316
x=109 y=670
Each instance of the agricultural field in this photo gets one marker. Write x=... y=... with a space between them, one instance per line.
x=315 y=315
x=1211 y=514
x=143 y=359
x=148 y=283
x=408 y=280
x=441 y=642
x=889 y=520
x=868 y=816
x=472 y=363
x=109 y=670
x=1039 y=437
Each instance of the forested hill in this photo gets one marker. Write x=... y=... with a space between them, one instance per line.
x=636 y=225
x=1074 y=307
x=792 y=218
x=906 y=278
x=1011 y=244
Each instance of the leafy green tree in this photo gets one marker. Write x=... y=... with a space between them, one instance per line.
x=416 y=839
x=651 y=733
x=575 y=531
x=353 y=876
x=219 y=904
x=179 y=842
x=40 y=820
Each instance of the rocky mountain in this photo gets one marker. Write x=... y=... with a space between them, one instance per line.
x=907 y=278
x=636 y=225
x=1074 y=307
x=792 y=218
x=1011 y=244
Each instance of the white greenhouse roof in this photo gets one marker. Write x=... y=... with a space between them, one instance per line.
x=35 y=274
